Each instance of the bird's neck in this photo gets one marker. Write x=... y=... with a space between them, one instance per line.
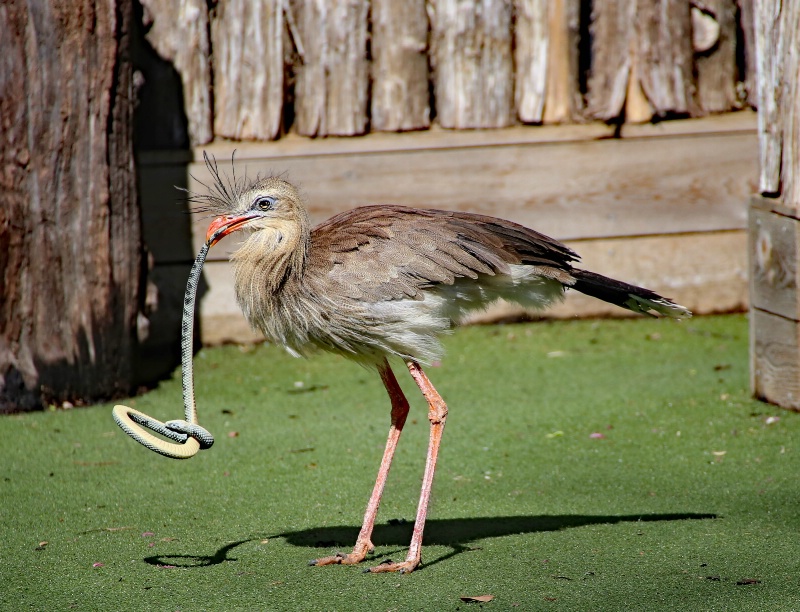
x=271 y=258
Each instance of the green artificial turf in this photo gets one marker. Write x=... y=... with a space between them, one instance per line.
x=685 y=491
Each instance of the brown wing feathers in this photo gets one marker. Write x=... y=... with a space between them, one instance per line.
x=425 y=247
x=392 y=252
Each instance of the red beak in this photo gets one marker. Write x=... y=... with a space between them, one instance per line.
x=224 y=225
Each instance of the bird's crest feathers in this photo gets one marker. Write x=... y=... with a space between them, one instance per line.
x=229 y=193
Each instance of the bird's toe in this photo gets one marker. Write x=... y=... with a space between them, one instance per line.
x=405 y=567
x=340 y=558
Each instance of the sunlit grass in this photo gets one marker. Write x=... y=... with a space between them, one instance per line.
x=587 y=465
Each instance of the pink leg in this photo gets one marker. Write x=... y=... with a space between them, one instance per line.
x=399 y=413
x=437 y=414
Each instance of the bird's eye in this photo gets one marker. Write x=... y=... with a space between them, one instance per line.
x=264 y=202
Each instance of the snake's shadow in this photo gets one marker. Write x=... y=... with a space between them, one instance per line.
x=454 y=533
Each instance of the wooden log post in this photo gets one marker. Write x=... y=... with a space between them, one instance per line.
x=775 y=213
x=546 y=58
x=716 y=68
x=473 y=63
x=248 y=62
x=332 y=80
x=563 y=100
x=400 y=92
x=531 y=43
x=642 y=60
x=70 y=236
x=748 y=30
x=178 y=31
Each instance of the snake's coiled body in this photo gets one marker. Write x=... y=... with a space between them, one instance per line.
x=188 y=436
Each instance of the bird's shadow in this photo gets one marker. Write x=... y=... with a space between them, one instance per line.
x=454 y=533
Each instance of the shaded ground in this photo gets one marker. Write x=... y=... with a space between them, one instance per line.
x=586 y=466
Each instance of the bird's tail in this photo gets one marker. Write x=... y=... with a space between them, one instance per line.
x=631 y=297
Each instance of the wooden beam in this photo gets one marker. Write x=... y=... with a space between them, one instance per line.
x=702 y=183
x=775 y=220
x=774 y=255
x=774 y=246
x=775 y=359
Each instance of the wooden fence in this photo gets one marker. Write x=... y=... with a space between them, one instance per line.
x=258 y=70
x=581 y=92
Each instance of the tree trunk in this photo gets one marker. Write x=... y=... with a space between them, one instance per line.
x=333 y=78
x=248 y=69
x=70 y=237
x=474 y=77
x=400 y=96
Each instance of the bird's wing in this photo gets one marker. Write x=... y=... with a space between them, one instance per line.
x=377 y=253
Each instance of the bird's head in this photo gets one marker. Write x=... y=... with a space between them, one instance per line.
x=271 y=205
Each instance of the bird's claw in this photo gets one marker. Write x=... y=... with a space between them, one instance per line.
x=337 y=559
x=360 y=551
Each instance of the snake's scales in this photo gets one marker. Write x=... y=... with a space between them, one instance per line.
x=188 y=436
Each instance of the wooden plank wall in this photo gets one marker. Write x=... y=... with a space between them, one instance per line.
x=348 y=67
x=663 y=206
x=774 y=242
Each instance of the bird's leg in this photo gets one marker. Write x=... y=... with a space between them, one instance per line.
x=399 y=413
x=437 y=414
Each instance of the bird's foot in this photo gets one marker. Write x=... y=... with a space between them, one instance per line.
x=360 y=551
x=406 y=567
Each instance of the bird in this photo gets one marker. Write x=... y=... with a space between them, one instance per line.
x=383 y=283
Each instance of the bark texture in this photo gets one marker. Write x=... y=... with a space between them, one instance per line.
x=70 y=237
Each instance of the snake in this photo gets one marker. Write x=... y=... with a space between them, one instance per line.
x=187 y=436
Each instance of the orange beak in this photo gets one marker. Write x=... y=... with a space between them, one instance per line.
x=224 y=225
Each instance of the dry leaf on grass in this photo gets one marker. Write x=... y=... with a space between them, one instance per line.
x=476 y=598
